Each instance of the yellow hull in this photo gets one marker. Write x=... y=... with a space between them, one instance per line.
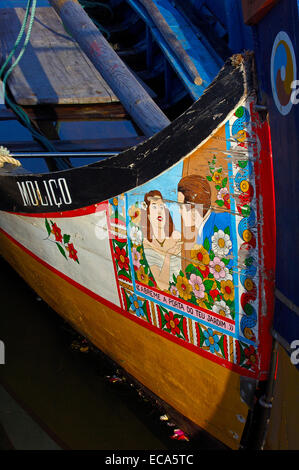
x=203 y=391
x=283 y=426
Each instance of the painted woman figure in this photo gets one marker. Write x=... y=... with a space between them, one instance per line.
x=161 y=243
x=198 y=221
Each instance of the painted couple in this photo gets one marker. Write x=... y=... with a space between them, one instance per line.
x=168 y=251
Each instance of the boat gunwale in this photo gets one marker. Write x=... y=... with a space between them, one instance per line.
x=141 y=163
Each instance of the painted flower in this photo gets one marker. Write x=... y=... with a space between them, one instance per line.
x=135 y=214
x=142 y=276
x=221 y=243
x=122 y=258
x=217 y=268
x=57 y=233
x=117 y=202
x=136 y=305
x=223 y=195
x=201 y=302
x=197 y=286
x=172 y=323
x=136 y=257
x=221 y=308
x=184 y=288
x=217 y=178
x=136 y=236
x=227 y=289
x=199 y=256
x=72 y=252
x=211 y=340
x=250 y=354
x=173 y=290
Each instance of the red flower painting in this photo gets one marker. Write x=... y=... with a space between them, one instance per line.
x=72 y=252
x=62 y=241
x=122 y=258
x=57 y=233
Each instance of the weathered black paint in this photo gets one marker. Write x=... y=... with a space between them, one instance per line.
x=100 y=181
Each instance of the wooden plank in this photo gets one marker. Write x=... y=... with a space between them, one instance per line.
x=109 y=111
x=53 y=69
x=255 y=10
x=141 y=107
x=207 y=64
x=172 y=40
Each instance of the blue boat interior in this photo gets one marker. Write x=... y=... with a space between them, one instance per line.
x=208 y=31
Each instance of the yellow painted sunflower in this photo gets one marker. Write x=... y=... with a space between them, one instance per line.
x=227 y=289
x=184 y=287
x=199 y=256
x=142 y=276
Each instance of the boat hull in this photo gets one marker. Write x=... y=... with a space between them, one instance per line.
x=146 y=355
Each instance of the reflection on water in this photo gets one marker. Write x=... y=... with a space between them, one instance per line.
x=67 y=390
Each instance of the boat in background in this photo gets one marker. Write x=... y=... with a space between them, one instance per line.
x=163 y=256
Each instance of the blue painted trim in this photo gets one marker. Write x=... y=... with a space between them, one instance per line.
x=234 y=231
x=22 y=3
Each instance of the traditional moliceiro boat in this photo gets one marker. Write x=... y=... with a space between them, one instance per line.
x=163 y=256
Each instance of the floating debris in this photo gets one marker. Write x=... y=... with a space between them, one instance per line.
x=179 y=435
x=114 y=379
x=164 y=418
x=80 y=345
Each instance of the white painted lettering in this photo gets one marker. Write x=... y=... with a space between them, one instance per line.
x=31 y=192
x=53 y=193
x=39 y=195
x=24 y=194
x=64 y=191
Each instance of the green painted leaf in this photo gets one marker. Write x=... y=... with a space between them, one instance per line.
x=145 y=311
x=224 y=182
x=47 y=226
x=208 y=284
x=206 y=244
x=220 y=342
x=246 y=210
x=66 y=239
x=124 y=273
x=120 y=244
x=242 y=163
x=209 y=178
x=219 y=202
x=227 y=230
x=61 y=250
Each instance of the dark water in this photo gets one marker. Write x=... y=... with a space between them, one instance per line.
x=66 y=391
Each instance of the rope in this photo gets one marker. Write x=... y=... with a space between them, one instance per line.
x=31 y=5
x=6 y=158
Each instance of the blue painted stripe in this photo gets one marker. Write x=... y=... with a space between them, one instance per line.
x=21 y=3
x=234 y=231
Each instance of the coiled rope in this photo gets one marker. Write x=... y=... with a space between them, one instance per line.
x=5 y=157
